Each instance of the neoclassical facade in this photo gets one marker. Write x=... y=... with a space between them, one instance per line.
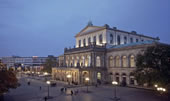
x=102 y=54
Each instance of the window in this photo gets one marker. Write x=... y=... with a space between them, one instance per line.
x=79 y=43
x=99 y=75
x=84 y=42
x=132 y=61
x=111 y=61
x=111 y=38
x=83 y=61
x=137 y=40
x=125 y=40
x=98 y=62
x=131 y=40
x=89 y=60
x=100 y=39
x=118 y=40
x=142 y=40
x=89 y=41
x=124 y=61
x=117 y=61
x=94 y=39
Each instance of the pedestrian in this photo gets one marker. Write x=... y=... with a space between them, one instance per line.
x=71 y=92
x=96 y=85
x=28 y=82
x=45 y=98
x=77 y=91
x=40 y=87
x=65 y=89
x=61 y=90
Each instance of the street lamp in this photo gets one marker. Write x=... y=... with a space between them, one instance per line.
x=48 y=83
x=45 y=73
x=68 y=77
x=115 y=97
x=155 y=85
x=87 y=80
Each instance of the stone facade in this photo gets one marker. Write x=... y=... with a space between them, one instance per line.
x=102 y=54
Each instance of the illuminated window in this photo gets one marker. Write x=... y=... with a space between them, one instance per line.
x=99 y=76
x=83 y=61
x=124 y=61
x=111 y=64
x=132 y=61
x=117 y=61
x=98 y=62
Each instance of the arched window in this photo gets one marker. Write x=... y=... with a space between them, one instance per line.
x=124 y=61
x=100 y=39
x=75 y=63
x=84 y=42
x=131 y=40
x=83 y=61
x=117 y=61
x=125 y=40
x=111 y=64
x=89 y=41
x=79 y=43
x=111 y=38
x=89 y=60
x=118 y=40
x=132 y=61
x=94 y=39
x=98 y=62
x=137 y=40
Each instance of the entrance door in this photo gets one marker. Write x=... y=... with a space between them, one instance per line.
x=117 y=79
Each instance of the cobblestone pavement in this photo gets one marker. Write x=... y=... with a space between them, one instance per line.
x=101 y=93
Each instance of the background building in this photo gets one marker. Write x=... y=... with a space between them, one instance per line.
x=26 y=63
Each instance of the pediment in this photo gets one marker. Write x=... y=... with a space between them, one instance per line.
x=89 y=29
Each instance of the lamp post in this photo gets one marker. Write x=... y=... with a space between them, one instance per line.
x=68 y=77
x=155 y=85
x=115 y=96
x=48 y=82
x=87 y=80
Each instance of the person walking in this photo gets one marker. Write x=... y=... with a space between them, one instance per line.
x=40 y=87
x=61 y=90
x=65 y=89
x=71 y=92
x=45 y=98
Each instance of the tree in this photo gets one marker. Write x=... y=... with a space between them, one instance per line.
x=7 y=80
x=50 y=62
x=153 y=66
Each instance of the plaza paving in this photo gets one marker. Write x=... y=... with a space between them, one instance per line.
x=101 y=93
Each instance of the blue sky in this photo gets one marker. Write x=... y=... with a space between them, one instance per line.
x=46 y=27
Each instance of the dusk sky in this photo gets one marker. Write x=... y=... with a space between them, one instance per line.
x=46 y=27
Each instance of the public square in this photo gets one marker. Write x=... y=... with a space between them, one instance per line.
x=33 y=92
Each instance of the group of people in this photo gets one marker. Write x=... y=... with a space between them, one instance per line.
x=71 y=92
